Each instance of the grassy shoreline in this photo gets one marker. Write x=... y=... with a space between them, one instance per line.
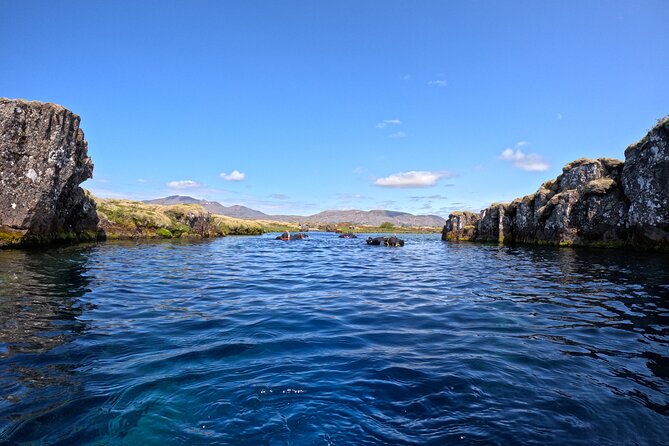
x=121 y=219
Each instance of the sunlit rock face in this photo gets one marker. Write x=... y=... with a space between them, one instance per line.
x=594 y=202
x=645 y=181
x=43 y=159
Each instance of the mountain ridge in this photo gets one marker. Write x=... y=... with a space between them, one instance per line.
x=354 y=216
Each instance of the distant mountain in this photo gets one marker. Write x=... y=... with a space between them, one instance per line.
x=371 y=218
x=214 y=207
x=376 y=217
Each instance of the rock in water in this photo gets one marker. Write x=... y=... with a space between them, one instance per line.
x=460 y=226
x=594 y=202
x=43 y=159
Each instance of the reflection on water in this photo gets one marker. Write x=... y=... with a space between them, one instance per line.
x=39 y=310
x=330 y=341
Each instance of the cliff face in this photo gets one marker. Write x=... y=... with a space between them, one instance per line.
x=43 y=159
x=594 y=202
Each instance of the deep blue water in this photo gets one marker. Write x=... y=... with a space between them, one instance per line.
x=329 y=341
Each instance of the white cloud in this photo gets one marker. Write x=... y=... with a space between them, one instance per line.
x=235 y=175
x=358 y=170
x=385 y=123
x=406 y=77
x=522 y=143
x=183 y=184
x=397 y=135
x=438 y=83
x=559 y=116
x=531 y=162
x=141 y=180
x=411 y=179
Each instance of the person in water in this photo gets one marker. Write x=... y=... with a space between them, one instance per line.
x=285 y=235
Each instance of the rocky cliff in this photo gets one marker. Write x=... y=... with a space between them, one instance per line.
x=43 y=159
x=594 y=202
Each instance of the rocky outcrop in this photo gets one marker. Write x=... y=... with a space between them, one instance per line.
x=594 y=202
x=645 y=181
x=43 y=159
x=460 y=226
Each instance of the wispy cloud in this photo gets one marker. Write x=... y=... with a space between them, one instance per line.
x=411 y=179
x=429 y=197
x=559 y=116
x=279 y=196
x=397 y=135
x=235 y=175
x=343 y=196
x=358 y=170
x=142 y=180
x=386 y=204
x=441 y=83
x=530 y=162
x=406 y=77
x=385 y=123
x=183 y=184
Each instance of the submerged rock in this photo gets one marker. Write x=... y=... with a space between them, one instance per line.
x=43 y=159
x=594 y=202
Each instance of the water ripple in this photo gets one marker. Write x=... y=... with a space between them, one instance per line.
x=332 y=342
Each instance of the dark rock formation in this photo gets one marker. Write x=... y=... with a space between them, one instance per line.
x=43 y=159
x=385 y=241
x=594 y=202
x=460 y=226
x=645 y=182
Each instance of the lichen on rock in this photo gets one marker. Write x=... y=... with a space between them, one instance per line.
x=600 y=202
x=43 y=159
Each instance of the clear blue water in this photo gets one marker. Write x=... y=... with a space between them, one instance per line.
x=329 y=341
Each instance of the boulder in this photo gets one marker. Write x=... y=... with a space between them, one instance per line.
x=43 y=159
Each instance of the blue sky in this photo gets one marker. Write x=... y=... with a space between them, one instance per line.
x=301 y=106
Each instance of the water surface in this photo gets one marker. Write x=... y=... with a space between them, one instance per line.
x=329 y=341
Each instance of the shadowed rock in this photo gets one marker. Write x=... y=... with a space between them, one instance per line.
x=43 y=159
x=460 y=226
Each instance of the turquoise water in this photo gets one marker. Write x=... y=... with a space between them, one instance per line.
x=329 y=341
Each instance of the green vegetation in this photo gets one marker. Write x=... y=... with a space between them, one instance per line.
x=164 y=233
x=386 y=225
x=347 y=227
x=126 y=219
x=600 y=186
x=9 y=237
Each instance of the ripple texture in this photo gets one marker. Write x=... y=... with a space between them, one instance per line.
x=328 y=341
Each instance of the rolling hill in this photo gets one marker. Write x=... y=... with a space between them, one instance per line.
x=371 y=218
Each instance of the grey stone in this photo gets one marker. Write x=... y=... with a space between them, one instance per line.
x=593 y=202
x=645 y=180
x=43 y=159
